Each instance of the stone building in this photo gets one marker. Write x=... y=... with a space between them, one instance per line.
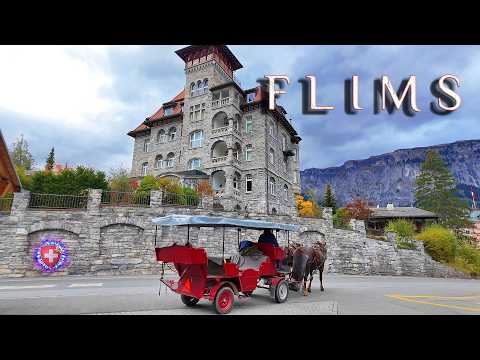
x=214 y=130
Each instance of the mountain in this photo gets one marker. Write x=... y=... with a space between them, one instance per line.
x=391 y=177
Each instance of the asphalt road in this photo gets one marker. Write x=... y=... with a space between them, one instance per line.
x=345 y=294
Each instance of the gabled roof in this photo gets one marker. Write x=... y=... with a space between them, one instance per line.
x=176 y=103
x=186 y=51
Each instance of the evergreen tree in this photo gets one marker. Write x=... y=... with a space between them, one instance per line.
x=329 y=199
x=50 y=160
x=21 y=155
x=435 y=191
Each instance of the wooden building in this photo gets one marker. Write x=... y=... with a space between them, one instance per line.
x=380 y=217
x=9 y=181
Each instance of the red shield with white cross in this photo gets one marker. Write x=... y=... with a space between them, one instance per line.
x=50 y=255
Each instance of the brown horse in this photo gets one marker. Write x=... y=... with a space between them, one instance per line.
x=305 y=260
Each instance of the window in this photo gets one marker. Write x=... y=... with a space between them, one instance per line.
x=199 y=87
x=194 y=164
x=284 y=142
x=236 y=182
x=171 y=133
x=248 y=183
x=159 y=162
x=202 y=116
x=170 y=160
x=248 y=124
x=197 y=112
x=144 y=169
x=168 y=111
x=272 y=186
x=250 y=97
x=161 y=136
x=271 y=126
x=236 y=123
x=285 y=164
x=285 y=192
x=196 y=138
x=205 y=86
x=272 y=156
x=146 y=145
x=225 y=93
x=248 y=152
x=192 y=89
x=191 y=113
x=216 y=96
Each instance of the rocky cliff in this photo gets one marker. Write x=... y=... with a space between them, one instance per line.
x=391 y=177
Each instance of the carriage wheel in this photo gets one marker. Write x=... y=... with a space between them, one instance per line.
x=224 y=299
x=281 y=291
x=189 y=300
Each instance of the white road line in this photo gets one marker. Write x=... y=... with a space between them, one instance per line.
x=85 y=285
x=26 y=287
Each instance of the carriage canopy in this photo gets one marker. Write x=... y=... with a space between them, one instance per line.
x=211 y=221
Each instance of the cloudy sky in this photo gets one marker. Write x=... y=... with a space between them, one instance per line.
x=84 y=99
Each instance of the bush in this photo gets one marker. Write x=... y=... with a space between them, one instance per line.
x=68 y=182
x=439 y=242
x=341 y=219
x=405 y=232
x=307 y=208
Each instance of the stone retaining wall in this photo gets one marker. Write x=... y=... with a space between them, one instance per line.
x=105 y=240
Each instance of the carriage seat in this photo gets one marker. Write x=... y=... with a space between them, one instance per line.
x=215 y=265
x=249 y=262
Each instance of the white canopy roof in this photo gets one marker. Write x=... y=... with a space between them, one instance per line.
x=210 y=221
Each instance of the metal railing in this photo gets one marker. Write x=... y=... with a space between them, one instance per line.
x=221 y=159
x=6 y=205
x=116 y=198
x=54 y=201
x=181 y=199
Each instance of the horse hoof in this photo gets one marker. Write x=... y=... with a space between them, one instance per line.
x=322 y=289
x=309 y=290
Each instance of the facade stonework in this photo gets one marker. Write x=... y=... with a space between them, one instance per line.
x=109 y=240
x=249 y=154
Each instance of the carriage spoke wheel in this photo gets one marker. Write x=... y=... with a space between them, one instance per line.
x=224 y=299
x=281 y=291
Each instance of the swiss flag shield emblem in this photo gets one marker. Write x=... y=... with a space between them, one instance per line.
x=50 y=255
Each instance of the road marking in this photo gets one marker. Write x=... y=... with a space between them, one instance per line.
x=26 y=287
x=413 y=298
x=85 y=285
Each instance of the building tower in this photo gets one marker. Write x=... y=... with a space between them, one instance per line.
x=215 y=130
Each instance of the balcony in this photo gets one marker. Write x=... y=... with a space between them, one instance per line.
x=220 y=103
x=220 y=131
x=219 y=160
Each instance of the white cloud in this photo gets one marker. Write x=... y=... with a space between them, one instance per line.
x=58 y=84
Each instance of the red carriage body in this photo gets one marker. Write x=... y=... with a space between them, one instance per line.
x=219 y=280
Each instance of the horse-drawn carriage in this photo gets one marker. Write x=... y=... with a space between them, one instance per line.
x=219 y=280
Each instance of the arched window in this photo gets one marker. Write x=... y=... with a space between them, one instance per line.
x=285 y=192
x=192 y=89
x=146 y=145
x=271 y=156
x=144 y=168
x=159 y=162
x=237 y=151
x=236 y=181
x=271 y=128
x=196 y=139
x=171 y=133
x=248 y=183
x=194 y=164
x=236 y=122
x=205 y=86
x=271 y=184
x=199 y=87
x=170 y=160
x=161 y=136
x=248 y=152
